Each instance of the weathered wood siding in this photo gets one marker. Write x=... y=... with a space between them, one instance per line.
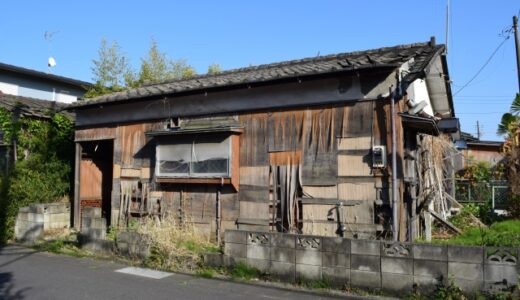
x=330 y=145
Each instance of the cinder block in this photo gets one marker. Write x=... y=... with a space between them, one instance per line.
x=426 y=284
x=370 y=280
x=336 y=277
x=235 y=250
x=336 y=244
x=35 y=217
x=31 y=232
x=283 y=271
x=430 y=268
x=308 y=257
x=282 y=240
x=308 y=242
x=466 y=271
x=258 y=252
x=235 y=237
x=365 y=247
x=37 y=208
x=283 y=255
x=261 y=264
x=397 y=282
x=332 y=259
x=91 y=212
x=366 y=263
x=307 y=272
x=466 y=254
x=430 y=252
x=98 y=234
x=397 y=265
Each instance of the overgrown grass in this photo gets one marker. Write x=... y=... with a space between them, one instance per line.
x=505 y=234
x=175 y=247
x=244 y=272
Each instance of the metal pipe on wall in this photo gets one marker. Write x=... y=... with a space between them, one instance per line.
x=395 y=203
x=219 y=211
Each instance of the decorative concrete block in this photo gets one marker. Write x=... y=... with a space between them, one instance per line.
x=282 y=240
x=283 y=271
x=397 y=282
x=336 y=244
x=258 y=252
x=235 y=250
x=235 y=236
x=396 y=249
x=370 y=280
x=397 y=265
x=283 y=255
x=308 y=257
x=466 y=254
x=332 y=259
x=259 y=238
x=430 y=268
x=365 y=247
x=430 y=252
x=336 y=277
x=467 y=271
x=308 y=242
x=366 y=263
x=307 y=272
x=501 y=273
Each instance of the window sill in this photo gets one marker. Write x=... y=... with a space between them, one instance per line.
x=192 y=180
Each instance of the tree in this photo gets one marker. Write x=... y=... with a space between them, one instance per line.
x=111 y=71
x=158 y=67
x=214 y=69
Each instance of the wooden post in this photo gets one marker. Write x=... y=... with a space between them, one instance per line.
x=77 y=163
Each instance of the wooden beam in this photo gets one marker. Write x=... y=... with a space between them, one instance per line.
x=329 y=201
x=445 y=222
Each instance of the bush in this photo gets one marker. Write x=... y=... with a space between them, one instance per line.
x=505 y=233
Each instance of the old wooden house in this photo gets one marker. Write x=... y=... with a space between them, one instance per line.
x=302 y=146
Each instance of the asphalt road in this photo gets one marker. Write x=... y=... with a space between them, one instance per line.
x=26 y=274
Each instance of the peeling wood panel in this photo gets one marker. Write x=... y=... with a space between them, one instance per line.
x=93 y=134
x=90 y=180
x=364 y=212
x=131 y=139
x=253 y=142
x=330 y=192
x=254 y=210
x=133 y=173
x=286 y=130
x=285 y=158
x=320 y=158
x=354 y=165
x=355 y=143
x=358 y=119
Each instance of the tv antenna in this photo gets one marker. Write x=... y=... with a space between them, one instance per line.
x=48 y=36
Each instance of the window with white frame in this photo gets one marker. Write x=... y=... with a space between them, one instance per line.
x=197 y=156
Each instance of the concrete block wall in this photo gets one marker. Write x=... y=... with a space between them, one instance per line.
x=32 y=221
x=371 y=264
x=94 y=231
x=133 y=244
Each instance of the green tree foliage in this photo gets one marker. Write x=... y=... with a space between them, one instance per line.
x=42 y=173
x=158 y=67
x=511 y=120
x=111 y=70
x=214 y=69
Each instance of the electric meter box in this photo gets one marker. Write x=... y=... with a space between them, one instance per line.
x=379 y=156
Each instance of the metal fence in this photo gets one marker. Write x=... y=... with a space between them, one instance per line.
x=494 y=192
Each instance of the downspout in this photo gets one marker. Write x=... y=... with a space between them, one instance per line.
x=395 y=208
x=219 y=211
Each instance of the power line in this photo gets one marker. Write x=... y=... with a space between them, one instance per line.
x=484 y=65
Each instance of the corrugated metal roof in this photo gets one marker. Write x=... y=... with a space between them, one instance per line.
x=421 y=53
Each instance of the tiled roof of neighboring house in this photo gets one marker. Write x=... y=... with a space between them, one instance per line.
x=389 y=57
x=30 y=107
x=51 y=77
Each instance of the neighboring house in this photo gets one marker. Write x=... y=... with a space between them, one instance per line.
x=298 y=146
x=35 y=84
x=23 y=107
x=474 y=149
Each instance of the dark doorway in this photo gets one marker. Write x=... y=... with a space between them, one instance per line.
x=96 y=174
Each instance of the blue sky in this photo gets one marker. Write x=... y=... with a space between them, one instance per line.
x=238 y=33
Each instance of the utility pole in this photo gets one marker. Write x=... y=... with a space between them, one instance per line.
x=478 y=131
x=517 y=44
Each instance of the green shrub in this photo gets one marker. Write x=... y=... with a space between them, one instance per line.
x=244 y=272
